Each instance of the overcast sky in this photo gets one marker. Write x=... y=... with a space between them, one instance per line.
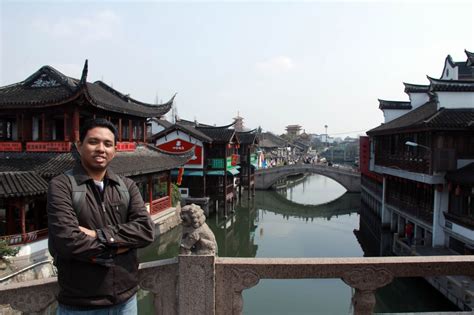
x=274 y=63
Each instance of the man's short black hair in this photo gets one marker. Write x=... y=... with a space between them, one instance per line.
x=97 y=122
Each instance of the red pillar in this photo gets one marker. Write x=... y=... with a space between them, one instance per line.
x=150 y=189
x=144 y=131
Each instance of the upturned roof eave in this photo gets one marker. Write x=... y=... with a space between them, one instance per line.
x=175 y=127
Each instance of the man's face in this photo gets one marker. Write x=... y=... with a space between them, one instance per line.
x=97 y=150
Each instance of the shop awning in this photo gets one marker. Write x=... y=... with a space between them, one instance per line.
x=188 y=173
x=215 y=173
x=232 y=171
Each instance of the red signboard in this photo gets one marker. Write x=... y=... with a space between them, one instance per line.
x=179 y=145
x=126 y=146
x=59 y=146
x=10 y=146
x=235 y=159
x=364 y=159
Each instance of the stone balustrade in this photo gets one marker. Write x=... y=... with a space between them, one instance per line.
x=213 y=285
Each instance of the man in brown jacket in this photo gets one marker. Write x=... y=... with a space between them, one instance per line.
x=94 y=244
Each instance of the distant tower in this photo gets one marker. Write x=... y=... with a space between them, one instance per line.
x=239 y=123
x=293 y=131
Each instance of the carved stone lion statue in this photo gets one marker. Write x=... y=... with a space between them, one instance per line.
x=197 y=238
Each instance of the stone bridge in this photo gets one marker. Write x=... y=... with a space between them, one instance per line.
x=265 y=178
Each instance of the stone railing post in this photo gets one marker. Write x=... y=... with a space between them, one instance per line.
x=30 y=297
x=196 y=264
x=161 y=278
x=196 y=285
x=366 y=281
x=231 y=283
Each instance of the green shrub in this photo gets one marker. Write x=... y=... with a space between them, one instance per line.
x=175 y=195
x=6 y=250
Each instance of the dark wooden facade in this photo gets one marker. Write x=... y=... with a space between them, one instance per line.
x=248 y=161
x=40 y=119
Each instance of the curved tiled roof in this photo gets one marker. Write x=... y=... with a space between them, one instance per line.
x=410 y=119
x=103 y=96
x=452 y=118
x=145 y=159
x=49 y=87
x=47 y=164
x=247 y=137
x=218 y=134
x=438 y=85
x=186 y=129
x=416 y=88
x=384 y=104
x=470 y=58
x=428 y=117
x=19 y=184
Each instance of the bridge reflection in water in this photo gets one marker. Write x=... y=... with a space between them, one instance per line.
x=273 y=226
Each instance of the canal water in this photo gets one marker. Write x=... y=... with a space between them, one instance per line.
x=311 y=218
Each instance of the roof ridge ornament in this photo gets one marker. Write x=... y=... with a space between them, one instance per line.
x=85 y=70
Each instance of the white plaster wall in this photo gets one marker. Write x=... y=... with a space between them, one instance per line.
x=391 y=114
x=32 y=248
x=156 y=128
x=449 y=73
x=183 y=136
x=418 y=99
x=178 y=135
x=456 y=99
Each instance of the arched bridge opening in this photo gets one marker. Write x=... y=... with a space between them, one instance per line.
x=266 y=178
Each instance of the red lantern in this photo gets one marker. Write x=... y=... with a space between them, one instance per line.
x=180 y=176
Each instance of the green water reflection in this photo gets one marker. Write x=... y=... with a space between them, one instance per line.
x=270 y=225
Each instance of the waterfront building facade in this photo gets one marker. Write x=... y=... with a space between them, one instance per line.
x=417 y=167
x=274 y=150
x=248 y=161
x=40 y=119
x=211 y=176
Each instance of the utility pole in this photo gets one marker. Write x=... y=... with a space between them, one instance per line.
x=326 y=127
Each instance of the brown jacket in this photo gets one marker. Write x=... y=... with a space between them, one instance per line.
x=90 y=273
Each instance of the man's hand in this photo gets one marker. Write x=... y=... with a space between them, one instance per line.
x=88 y=232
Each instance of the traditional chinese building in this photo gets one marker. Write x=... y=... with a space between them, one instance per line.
x=274 y=150
x=293 y=131
x=420 y=166
x=248 y=161
x=211 y=174
x=40 y=119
